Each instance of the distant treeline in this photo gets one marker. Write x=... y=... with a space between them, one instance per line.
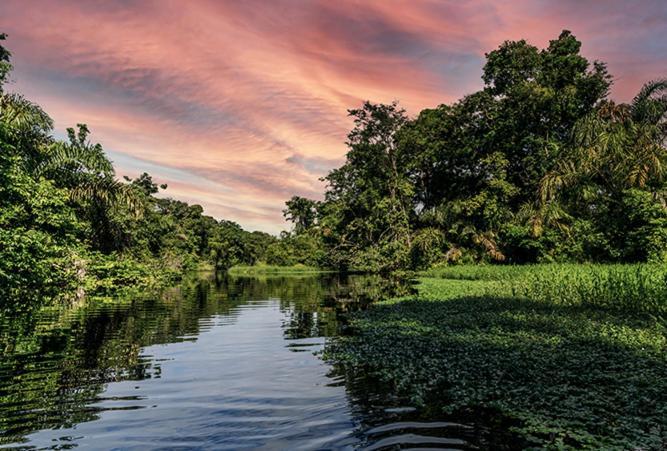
x=539 y=165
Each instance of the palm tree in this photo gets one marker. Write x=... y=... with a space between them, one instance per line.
x=89 y=176
x=617 y=147
x=24 y=126
x=613 y=149
x=75 y=165
x=83 y=168
x=649 y=126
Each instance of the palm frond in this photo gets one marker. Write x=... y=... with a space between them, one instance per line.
x=488 y=242
x=649 y=104
x=64 y=157
x=108 y=191
x=22 y=115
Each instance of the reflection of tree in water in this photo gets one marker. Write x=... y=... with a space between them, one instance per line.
x=300 y=298
x=52 y=374
x=55 y=364
x=324 y=313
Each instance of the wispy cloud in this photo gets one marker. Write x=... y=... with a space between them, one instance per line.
x=238 y=105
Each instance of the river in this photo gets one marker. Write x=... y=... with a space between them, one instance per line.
x=216 y=363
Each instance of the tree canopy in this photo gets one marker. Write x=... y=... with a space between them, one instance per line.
x=539 y=165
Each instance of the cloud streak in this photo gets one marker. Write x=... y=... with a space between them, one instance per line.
x=238 y=105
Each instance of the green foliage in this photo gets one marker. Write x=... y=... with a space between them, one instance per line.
x=33 y=270
x=538 y=166
x=574 y=354
x=302 y=212
x=69 y=227
x=294 y=248
x=633 y=288
x=5 y=64
x=365 y=216
x=118 y=275
x=37 y=227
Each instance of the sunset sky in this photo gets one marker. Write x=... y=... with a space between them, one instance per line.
x=238 y=105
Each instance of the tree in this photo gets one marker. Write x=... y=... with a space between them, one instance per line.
x=539 y=96
x=38 y=228
x=145 y=184
x=472 y=179
x=617 y=152
x=368 y=199
x=5 y=63
x=302 y=212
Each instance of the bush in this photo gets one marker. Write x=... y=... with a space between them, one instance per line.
x=33 y=270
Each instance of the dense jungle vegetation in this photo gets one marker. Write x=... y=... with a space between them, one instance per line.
x=69 y=226
x=540 y=165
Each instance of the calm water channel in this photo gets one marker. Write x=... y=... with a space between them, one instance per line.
x=218 y=363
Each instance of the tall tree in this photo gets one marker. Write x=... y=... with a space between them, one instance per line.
x=369 y=198
x=302 y=212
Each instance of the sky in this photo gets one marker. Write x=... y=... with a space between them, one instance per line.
x=238 y=105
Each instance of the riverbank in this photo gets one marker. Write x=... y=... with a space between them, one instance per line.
x=262 y=269
x=571 y=355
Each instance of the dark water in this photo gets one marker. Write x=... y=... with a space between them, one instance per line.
x=214 y=364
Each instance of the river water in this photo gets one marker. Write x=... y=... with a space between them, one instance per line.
x=217 y=363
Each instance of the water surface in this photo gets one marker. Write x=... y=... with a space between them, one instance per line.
x=218 y=363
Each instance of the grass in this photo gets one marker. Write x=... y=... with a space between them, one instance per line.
x=573 y=355
x=270 y=269
x=624 y=288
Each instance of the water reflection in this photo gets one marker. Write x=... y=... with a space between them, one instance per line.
x=219 y=362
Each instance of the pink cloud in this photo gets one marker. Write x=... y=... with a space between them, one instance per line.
x=247 y=100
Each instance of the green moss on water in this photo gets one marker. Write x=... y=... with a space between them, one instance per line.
x=528 y=345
